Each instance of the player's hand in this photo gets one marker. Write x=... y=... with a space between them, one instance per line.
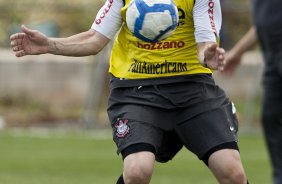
x=29 y=42
x=215 y=57
x=232 y=62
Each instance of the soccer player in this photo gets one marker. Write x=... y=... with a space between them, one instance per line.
x=267 y=31
x=161 y=98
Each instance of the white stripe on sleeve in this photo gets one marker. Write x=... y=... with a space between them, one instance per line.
x=109 y=20
x=207 y=20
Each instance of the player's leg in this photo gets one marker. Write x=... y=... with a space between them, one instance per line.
x=212 y=136
x=137 y=135
x=136 y=140
x=137 y=144
x=138 y=167
x=138 y=163
x=227 y=167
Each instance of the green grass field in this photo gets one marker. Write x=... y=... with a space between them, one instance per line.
x=75 y=157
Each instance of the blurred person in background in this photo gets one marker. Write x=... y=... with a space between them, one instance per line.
x=154 y=114
x=267 y=31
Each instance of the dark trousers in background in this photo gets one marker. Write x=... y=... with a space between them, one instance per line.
x=272 y=106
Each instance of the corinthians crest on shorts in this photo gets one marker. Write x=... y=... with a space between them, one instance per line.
x=122 y=129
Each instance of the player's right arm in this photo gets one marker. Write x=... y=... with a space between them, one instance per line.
x=33 y=42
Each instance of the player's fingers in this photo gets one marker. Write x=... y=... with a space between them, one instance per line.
x=17 y=36
x=220 y=50
x=20 y=53
x=27 y=30
x=15 y=42
x=220 y=68
x=221 y=55
x=17 y=48
x=221 y=62
x=16 y=45
x=212 y=47
x=14 y=36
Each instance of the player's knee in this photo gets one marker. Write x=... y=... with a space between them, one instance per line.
x=227 y=167
x=138 y=168
x=137 y=173
x=238 y=177
x=234 y=175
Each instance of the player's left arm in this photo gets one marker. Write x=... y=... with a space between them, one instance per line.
x=207 y=21
x=211 y=55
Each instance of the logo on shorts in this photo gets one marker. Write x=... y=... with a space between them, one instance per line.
x=231 y=128
x=122 y=129
x=233 y=108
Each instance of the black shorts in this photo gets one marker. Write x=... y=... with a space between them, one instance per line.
x=196 y=115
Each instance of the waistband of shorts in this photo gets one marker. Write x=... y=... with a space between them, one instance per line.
x=121 y=82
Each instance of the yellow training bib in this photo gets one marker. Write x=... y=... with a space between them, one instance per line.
x=132 y=58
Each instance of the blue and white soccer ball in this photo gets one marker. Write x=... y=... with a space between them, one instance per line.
x=152 y=20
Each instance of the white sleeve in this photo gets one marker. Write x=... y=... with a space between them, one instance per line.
x=207 y=20
x=108 y=20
